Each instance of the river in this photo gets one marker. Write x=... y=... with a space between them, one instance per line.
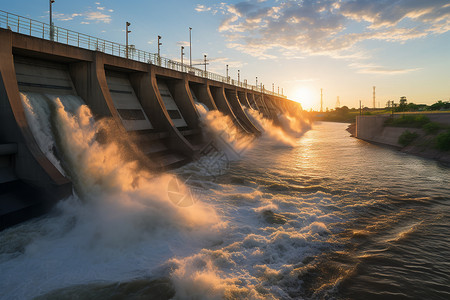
x=331 y=217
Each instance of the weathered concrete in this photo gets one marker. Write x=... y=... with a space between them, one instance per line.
x=203 y=93
x=242 y=96
x=233 y=99
x=83 y=72
x=182 y=95
x=32 y=169
x=222 y=104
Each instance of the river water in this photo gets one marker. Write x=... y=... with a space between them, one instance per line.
x=330 y=217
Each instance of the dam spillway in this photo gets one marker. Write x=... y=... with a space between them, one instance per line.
x=149 y=100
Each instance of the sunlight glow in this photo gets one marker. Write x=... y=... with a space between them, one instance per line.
x=306 y=97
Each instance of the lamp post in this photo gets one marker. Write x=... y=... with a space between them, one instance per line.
x=204 y=56
x=127 y=32
x=159 y=50
x=190 y=48
x=227 y=74
x=256 y=81
x=52 y=32
x=239 y=76
x=182 y=54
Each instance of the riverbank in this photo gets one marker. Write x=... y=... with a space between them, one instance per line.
x=422 y=142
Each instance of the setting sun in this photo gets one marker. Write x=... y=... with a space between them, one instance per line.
x=306 y=97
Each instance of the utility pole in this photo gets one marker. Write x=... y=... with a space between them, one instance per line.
x=321 y=101
x=159 y=50
x=374 y=97
x=190 y=48
x=52 y=29
x=127 y=32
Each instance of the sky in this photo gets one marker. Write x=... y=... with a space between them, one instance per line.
x=344 y=47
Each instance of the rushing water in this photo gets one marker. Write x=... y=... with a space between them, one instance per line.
x=330 y=217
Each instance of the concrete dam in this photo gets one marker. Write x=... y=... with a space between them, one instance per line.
x=149 y=102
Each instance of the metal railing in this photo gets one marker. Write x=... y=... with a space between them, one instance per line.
x=61 y=35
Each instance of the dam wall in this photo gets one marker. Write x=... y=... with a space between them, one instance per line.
x=150 y=104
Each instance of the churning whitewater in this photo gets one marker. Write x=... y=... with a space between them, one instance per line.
x=120 y=224
x=299 y=213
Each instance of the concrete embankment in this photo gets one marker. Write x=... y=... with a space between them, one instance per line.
x=373 y=129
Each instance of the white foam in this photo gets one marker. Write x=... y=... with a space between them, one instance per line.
x=116 y=230
x=224 y=132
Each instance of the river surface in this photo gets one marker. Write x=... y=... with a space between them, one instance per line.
x=332 y=217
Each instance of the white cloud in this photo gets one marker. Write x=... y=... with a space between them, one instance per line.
x=64 y=17
x=183 y=43
x=375 y=69
x=327 y=27
x=201 y=8
x=97 y=17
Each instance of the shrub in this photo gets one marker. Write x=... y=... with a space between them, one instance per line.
x=415 y=121
x=443 y=141
x=431 y=127
x=407 y=137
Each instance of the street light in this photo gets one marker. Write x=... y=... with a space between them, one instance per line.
x=159 y=50
x=227 y=73
x=190 y=48
x=256 y=81
x=205 y=62
x=52 y=32
x=127 y=32
x=239 y=76
x=182 y=54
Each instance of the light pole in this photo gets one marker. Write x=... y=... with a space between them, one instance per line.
x=256 y=81
x=227 y=73
x=159 y=50
x=52 y=33
x=182 y=54
x=273 y=87
x=239 y=76
x=127 y=32
x=190 y=48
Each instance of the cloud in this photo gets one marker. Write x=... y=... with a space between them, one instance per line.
x=64 y=17
x=201 y=8
x=96 y=16
x=183 y=43
x=375 y=69
x=327 y=27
